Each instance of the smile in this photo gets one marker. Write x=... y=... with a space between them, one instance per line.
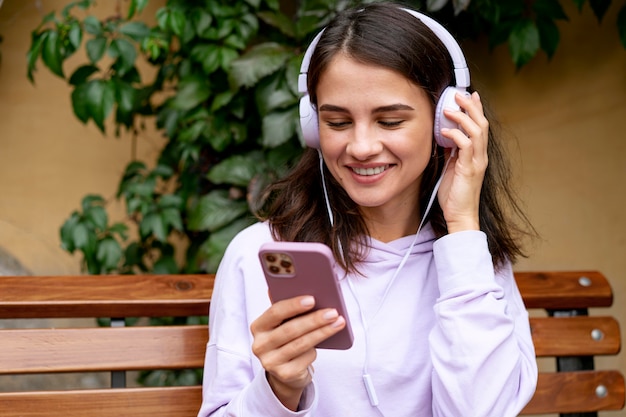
x=370 y=171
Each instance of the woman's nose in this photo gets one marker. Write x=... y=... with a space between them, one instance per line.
x=364 y=144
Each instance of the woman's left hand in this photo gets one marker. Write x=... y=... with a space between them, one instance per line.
x=459 y=192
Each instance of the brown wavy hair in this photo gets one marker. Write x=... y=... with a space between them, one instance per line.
x=382 y=34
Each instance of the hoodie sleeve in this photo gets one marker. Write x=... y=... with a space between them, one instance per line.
x=482 y=351
x=234 y=382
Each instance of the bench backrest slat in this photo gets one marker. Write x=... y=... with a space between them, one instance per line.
x=102 y=349
x=105 y=296
x=127 y=402
x=576 y=392
x=575 y=336
x=563 y=290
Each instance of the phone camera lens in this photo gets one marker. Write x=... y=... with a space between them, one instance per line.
x=274 y=269
x=270 y=258
x=285 y=264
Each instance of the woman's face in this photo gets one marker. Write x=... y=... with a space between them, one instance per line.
x=375 y=135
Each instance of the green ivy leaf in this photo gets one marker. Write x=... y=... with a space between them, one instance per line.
x=213 y=248
x=165 y=265
x=226 y=56
x=100 y=97
x=125 y=53
x=292 y=73
x=192 y=132
x=136 y=6
x=237 y=169
x=95 y=48
x=215 y=210
x=75 y=35
x=79 y=102
x=260 y=61
x=51 y=53
x=176 y=21
x=201 y=21
x=33 y=53
x=125 y=96
x=80 y=235
x=90 y=200
x=599 y=8
x=93 y=26
x=171 y=217
x=254 y=3
x=549 y=8
x=273 y=93
x=191 y=92
x=109 y=253
x=524 y=42
x=221 y=100
x=207 y=55
x=67 y=232
x=119 y=229
x=165 y=171
x=579 y=4
x=280 y=21
x=97 y=216
x=549 y=36
x=278 y=127
x=152 y=224
x=135 y=30
x=82 y=74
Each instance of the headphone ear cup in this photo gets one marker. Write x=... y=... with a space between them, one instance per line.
x=308 y=123
x=446 y=101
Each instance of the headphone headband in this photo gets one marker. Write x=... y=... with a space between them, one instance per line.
x=461 y=72
x=308 y=115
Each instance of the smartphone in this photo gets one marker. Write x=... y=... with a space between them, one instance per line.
x=306 y=268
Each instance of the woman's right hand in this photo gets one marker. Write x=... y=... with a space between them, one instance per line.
x=285 y=344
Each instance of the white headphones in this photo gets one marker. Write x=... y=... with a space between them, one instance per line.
x=308 y=113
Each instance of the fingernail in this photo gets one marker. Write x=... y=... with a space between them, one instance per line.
x=307 y=301
x=339 y=322
x=330 y=315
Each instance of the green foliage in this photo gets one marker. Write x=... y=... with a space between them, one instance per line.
x=527 y=27
x=224 y=94
x=90 y=233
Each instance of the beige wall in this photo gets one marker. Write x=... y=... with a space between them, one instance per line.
x=48 y=159
x=567 y=116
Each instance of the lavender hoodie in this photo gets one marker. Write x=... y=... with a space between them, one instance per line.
x=451 y=338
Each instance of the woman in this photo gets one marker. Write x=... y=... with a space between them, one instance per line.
x=439 y=326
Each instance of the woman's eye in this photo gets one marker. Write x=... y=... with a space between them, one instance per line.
x=337 y=125
x=391 y=123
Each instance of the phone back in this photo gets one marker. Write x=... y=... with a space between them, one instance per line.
x=306 y=268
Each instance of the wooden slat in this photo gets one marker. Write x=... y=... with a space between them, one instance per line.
x=575 y=392
x=573 y=336
x=127 y=402
x=102 y=349
x=105 y=296
x=561 y=290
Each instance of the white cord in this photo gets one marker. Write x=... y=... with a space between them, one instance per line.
x=367 y=379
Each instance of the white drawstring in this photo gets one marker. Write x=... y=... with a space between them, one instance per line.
x=367 y=380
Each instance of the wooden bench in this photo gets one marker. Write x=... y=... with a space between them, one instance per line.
x=566 y=333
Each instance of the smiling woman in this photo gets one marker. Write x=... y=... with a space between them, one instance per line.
x=376 y=140
x=415 y=219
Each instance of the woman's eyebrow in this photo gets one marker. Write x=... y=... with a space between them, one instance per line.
x=333 y=108
x=381 y=109
x=392 y=107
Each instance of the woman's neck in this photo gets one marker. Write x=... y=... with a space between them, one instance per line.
x=387 y=225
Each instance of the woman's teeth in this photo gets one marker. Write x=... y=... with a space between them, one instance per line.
x=370 y=171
